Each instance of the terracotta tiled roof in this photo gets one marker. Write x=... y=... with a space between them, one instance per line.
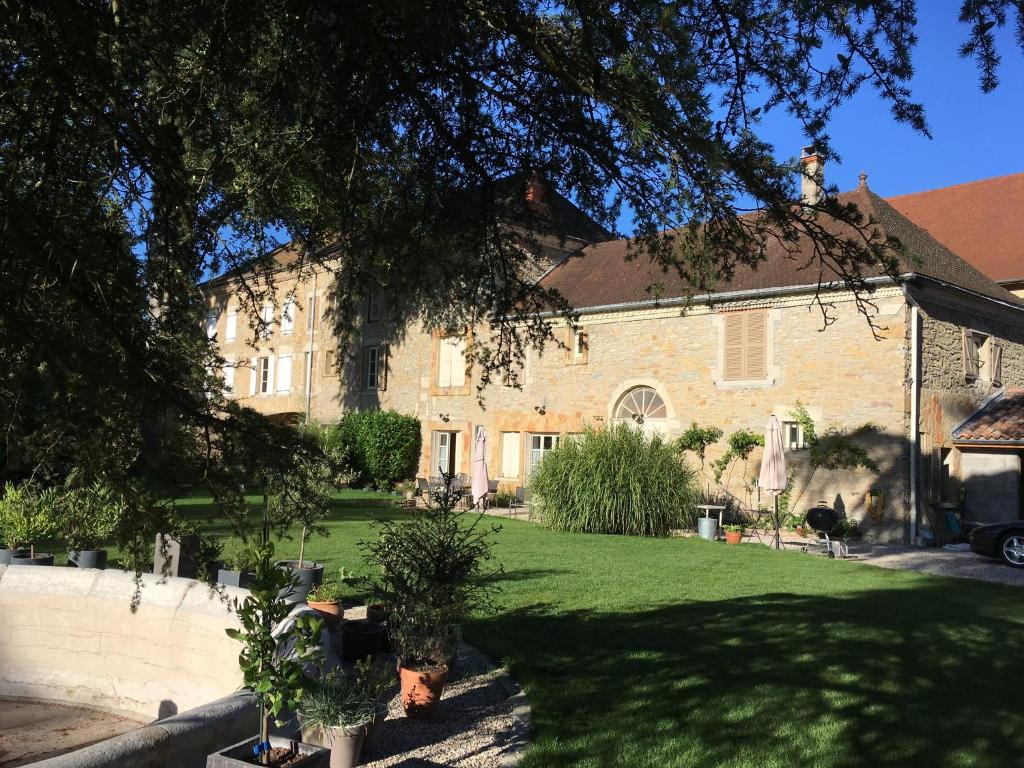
x=999 y=421
x=599 y=275
x=981 y=221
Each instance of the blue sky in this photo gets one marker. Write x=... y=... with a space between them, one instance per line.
x=974 y=135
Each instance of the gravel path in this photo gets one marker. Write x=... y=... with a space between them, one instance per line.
x=941 y=562
x=472 y=728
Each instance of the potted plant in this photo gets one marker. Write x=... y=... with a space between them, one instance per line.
x=325 y=599
x=88 y=517
x=27 y=518
x=303 y=495
x=377 y=681
x=422 y=642
x=239 y=561
x=275 y=677
x=733 y=533
x=407 y=488
x=361 y=639
x=336 y=713
x=8 y=548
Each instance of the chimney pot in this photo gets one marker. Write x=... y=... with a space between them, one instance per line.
x=812 y=176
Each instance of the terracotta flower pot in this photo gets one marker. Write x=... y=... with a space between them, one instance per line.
x=733 y=537
x=421 y=690
x=801 y=532
x=330 y=611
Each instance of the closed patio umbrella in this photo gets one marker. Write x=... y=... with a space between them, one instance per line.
x=773 y=469
x=479 y=483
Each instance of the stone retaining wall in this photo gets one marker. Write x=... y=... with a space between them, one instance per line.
x=70 y=635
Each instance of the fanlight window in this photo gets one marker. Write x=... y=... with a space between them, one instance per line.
x=640 y=405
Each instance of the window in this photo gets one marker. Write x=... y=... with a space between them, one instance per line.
x=211 y=324
x=983 y=357
x=231 y=330
x=305 y=373
x=374 y=306
x=539 y=446
x=263 y=375
x=510 y=454
x=229 y=377
x=288 y=317
x=451 y=362
x=580 y=346
x=330 y=363
x=267 y=318
x=375 y=367
x=284 y=374
x=793 y=436
x=310 y=313
x=444 y=453
x=640 y=405
x=745 y=347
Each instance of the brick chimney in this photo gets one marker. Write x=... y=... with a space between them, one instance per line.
x=812 y=176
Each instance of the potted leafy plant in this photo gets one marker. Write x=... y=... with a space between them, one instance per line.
x=325 y=599
x=239 y=560
x=423 y=643
x=88 y=517
x=27 y=518
x=303 y=495
x=336 y=713
x=8 y=547
x=377 y=681
x=275 y=677
x=407 y=488
x=733 y=533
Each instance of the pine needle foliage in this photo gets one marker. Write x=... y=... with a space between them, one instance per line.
x=615 y=480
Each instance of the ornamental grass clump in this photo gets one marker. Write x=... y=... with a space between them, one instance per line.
x=614 y=480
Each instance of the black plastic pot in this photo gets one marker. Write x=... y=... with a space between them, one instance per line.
x=361 y=638
x=234 y=578
x=310 y=574
x=7 y=554
x=88 y=558
x=39 y=559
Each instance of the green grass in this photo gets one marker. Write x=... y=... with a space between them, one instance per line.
x=672 y=652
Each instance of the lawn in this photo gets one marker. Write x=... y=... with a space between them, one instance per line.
x=676 y=652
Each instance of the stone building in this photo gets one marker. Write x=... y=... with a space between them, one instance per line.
x=944 y=339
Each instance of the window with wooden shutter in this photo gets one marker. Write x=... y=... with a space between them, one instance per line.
x=451 y=362
x=510 y=454
x=970 y=360
x=231 y=331
x=995 y=352
x=284 y=374
x=745 y=347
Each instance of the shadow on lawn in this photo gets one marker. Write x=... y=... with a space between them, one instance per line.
x=902 y=677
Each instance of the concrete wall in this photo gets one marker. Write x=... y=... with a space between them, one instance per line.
x=70 y=635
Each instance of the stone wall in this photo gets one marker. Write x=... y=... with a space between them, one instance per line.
x=70 y=635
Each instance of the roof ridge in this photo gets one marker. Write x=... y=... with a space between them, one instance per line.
x=959 y=185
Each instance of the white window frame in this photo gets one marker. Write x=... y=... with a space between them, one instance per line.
x=540 y=444
x=580 y=344
x=374 y=306
x=229 y=377
x=265 y=375
x=800 y=443
x=212 y=318
x=451 y=445
x=267 y=317
x=372 y=372
x=231 y=327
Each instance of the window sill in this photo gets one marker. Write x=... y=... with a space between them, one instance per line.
x=744 y=384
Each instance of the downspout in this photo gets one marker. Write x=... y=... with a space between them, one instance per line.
x=915 y=408
x=309 y=352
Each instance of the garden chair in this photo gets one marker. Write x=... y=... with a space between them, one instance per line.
x=521 y=501
x=760 y=523
x=422 y=489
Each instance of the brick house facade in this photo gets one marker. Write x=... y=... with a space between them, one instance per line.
x=729 y=359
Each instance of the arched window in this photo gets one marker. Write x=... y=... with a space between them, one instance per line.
x=640 y=405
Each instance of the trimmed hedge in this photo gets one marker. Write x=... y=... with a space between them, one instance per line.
x=614 y=480
x=383 y=446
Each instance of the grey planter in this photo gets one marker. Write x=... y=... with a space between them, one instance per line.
x=374 y=734
x=41 y=558
x=237 y=754
x=707 y=528
x=310 y=574
x=234 y=578
x=345 y=744
x=181 y=556
x=88 y=558
x=7 y=554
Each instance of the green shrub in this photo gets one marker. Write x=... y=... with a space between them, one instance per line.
x=384 y=446
x=614 y=480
